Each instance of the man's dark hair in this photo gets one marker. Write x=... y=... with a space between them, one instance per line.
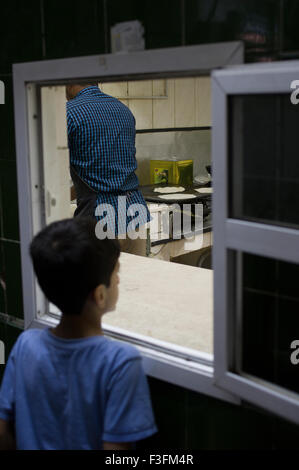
x=70 y=261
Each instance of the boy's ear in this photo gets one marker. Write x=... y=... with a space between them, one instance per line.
x=100 y=296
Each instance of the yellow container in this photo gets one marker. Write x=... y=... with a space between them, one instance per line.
x=171 y=172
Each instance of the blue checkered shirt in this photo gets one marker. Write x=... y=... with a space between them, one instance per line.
x=101 y=139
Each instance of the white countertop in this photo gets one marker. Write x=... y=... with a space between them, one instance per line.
x=166 y=301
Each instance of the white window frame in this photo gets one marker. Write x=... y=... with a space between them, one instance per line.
x=251 y=237
x=181 y=366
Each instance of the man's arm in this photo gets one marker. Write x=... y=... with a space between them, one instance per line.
x=117 y=446
x=7 y=435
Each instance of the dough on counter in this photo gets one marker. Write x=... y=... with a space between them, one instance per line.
x=169 y=190
x=177 y=196
x=204 y=190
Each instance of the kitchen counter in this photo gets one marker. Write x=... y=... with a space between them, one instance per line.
x=166 y=301
x=169 y=249
x=207 y=227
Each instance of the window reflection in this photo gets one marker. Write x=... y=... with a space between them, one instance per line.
x=252 y=21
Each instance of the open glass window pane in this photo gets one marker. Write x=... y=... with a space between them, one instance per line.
x=166 y=293
x=267 y=307
x=263 y=157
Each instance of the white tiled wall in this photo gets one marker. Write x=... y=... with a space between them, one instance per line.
x=55 y=154
x=156 y=104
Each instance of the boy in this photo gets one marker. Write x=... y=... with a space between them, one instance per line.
x=69 y=387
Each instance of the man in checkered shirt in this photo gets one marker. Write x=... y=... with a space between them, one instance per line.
x=101 y=140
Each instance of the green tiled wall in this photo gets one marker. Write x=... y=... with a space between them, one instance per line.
x=9 y=335
x=9 y=200
x=12 y=269
x=11 y=301
x=43 y=29
x=7 y=137
x=20 y=33
x=189 y=420
x=75 y=30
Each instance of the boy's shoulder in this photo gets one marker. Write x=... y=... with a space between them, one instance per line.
x=29 y=335
x=112 y=349
x=121 y=351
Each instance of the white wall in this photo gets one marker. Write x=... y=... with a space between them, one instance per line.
x=156 y=104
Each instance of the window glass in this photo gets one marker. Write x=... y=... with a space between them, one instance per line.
x=166 y=283
x=263 y=155
x=267 y=307
x=254 y=22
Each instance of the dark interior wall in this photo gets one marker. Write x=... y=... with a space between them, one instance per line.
x=47 y=29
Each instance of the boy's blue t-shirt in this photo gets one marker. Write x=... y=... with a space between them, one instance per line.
x=75 y=393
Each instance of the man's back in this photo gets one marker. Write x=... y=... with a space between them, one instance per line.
x=74 y=393
x=101 y=134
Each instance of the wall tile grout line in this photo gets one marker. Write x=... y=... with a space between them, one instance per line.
x=2 y=239
x=11 y=320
